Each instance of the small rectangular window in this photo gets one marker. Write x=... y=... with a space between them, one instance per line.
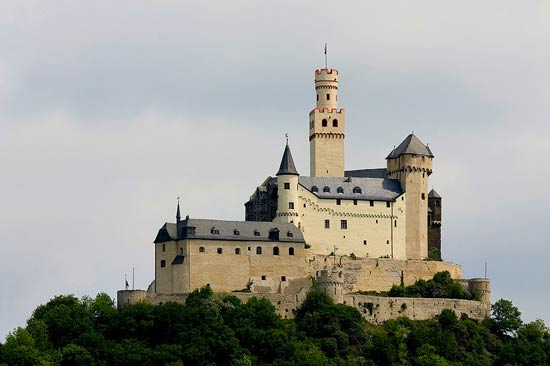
x=328 y=96
x=388 y=204
x=317 y=97
x=264 y=278
x=256 y=233
x=423 y=196
x=355 y=202
x=163 y=263
x=338 y=202
x=327 y=224
x=291 y=205
x=371 y=203
x=287 y=185
x=164 y=247
x=437 y=203
x=344 y=224
x=364 y=242
x=395 y=223
x=283 y=278
x=387 y=241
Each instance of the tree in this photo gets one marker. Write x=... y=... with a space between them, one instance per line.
x=427 y=356
x=506 y=318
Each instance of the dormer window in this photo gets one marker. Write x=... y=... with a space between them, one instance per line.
x=289 y=234
x=314 y=189
x=340 y=190
x=256 y=233
x=357 y=190
x=214 y=231
x=236 y=232
x=326 y=189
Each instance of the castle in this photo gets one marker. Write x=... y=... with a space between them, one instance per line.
x=349 y=231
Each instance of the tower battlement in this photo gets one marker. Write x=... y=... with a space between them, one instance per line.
x=324 y=71
x=327 y=110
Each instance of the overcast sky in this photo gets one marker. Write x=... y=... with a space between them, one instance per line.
x=110 y=110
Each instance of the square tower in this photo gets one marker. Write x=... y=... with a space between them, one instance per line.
x=326 y=127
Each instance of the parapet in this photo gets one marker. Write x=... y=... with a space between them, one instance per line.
x=481 y=286
x=126 y=297
x=333 y=73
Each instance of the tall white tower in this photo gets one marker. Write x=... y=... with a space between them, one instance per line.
x=326 y=127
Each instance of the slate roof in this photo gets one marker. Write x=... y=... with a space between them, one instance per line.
x=411 y=145
x=367 y=173
x=375 y=189
x=227 y=230
x=287 y=164
x=433 y=194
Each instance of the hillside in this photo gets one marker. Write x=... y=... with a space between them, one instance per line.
x=221 y=330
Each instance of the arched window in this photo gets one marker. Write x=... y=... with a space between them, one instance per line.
x=326 y=189
x=314 y=189
x=258 y=250
x=291 y=251
x=334 y=123
x=237 y=251
x=220 y=250
x=357 y=190
x=201 y=249
x=324 y=123
x=275 y=250
x=340 y=190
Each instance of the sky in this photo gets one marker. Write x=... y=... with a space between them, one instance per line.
x=111 y=110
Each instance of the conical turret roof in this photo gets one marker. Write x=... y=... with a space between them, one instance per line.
x=411 y=145
x=287 y=164
x=433 y=194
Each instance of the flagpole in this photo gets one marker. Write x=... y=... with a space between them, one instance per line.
x=133 y=278
x=326 y=63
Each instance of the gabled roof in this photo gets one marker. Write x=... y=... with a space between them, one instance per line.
x=367 y=173
x=227 y=230
x=371 y=189
x=287 y=164
x=433 y=194
x=411 y=145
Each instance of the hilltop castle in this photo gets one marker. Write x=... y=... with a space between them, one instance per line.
x=358 y=230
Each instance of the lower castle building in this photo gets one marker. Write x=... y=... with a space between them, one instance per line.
x=346 y=231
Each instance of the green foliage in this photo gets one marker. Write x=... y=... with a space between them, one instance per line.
x=222 y=330
x=441 y=286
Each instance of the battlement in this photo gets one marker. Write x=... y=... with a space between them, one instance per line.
x=324 y=71
x=327 y=110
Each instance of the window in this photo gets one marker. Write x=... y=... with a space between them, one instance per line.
x=275 y=250
x=214 y=231
x=395 y=223
x=256 y=233
x=283 y=278
x=344 y=224
x=289 y=234
x=326 y=189
x=249 y=249
x=355 y=202
x=220 y=250
x=258 y=250
x=291 y=205
x=304 y=205
x=236 y=232
x=287 y=185
x=314 y=189
x=163 y=263
x=164 y=247
x=291 y=251
x=264 y=278
x=357 y=190
x=371 y=203
x=317 y=97
x=377 y=221
x=387 y=241
x=388 y=204
x=201 y=249
x=364 y=242
x=327 y=224
x=423 y=196
x=328 y=96
x=437 y=204
x=324 y=123
x=334 y=123
x=338 y=201
x=339 y=190
x=237 y=251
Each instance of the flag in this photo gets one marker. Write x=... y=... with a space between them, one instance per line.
x=325 y=48
x=127 y=284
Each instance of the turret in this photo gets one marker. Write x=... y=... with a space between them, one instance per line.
x=411 y=164
x=288 y=208
x=332 y=284
x=326 y=127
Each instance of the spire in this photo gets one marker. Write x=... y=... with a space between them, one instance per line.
x=287 y=163
x=178 y=214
